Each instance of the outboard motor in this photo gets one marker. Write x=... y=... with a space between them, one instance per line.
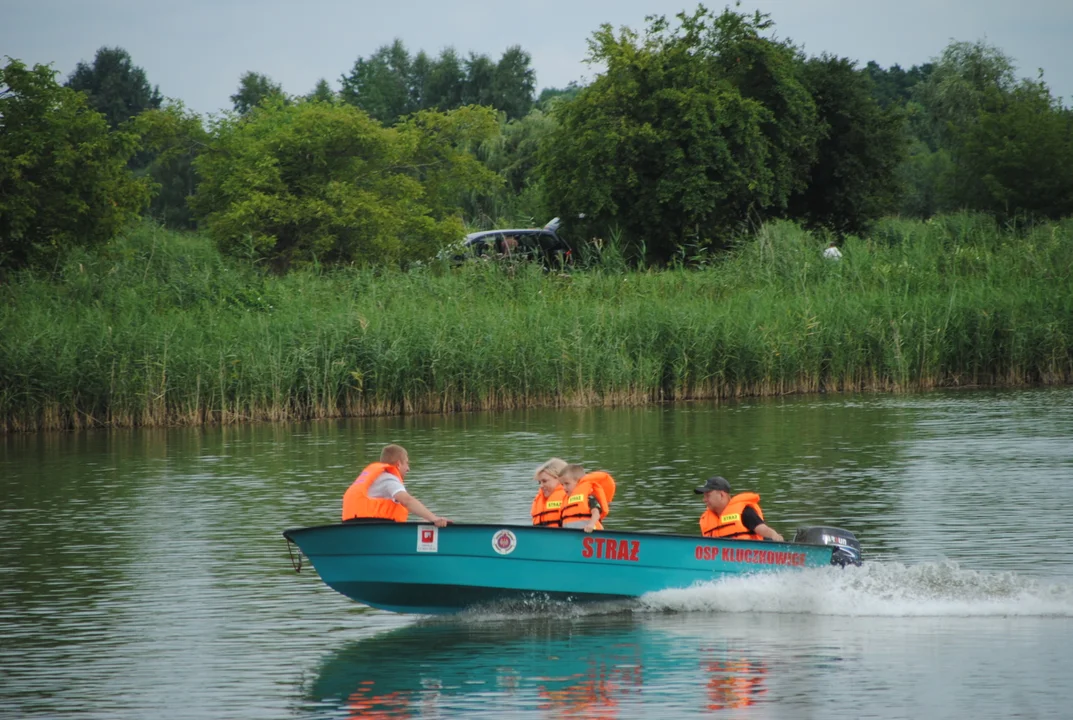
x=847 y=549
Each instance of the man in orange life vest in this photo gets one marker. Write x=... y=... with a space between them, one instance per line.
x=378 y=491
x=734 y=518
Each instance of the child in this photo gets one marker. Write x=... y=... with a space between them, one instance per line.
x=585 y=501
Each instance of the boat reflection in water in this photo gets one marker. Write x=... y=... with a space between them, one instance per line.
x=608 y=666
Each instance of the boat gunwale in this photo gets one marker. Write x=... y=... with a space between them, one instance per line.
x=511 y=526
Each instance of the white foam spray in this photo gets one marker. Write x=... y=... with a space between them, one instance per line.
x=887 y=589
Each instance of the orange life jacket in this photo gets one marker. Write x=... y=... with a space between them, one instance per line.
x=358 y=504
x=606 y=483
x=576 y=507
x=728 y=524
x=547 y=511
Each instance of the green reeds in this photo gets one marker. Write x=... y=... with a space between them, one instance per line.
x=159 y=329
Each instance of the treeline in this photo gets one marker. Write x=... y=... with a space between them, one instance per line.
x=698 y=128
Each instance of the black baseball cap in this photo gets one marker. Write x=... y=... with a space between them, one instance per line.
x=714 y=483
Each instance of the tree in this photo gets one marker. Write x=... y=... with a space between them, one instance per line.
x=854 y=179
x=391 y=84
x=381 y=85
x=63 y=173
x=442 y=158
x=1017 y=157
x=254 y=89
x=420 y=69
x=965 y=79
x=478 y=86
x=968 y=81
x=550 y=95
x=688 y=133
x=443 y=85
x=514 y=83
x=322 y=92
x=175 y=137
x=894 y=86
x=923 y=179
x=514 y=154
x=116 y=87
x=318 y=182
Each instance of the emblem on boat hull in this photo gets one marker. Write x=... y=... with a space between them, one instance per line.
x=428 y=538
x=504 y=542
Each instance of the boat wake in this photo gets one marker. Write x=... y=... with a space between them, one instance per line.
x=886 y=589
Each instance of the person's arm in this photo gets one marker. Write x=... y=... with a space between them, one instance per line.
x=418 y=508
x=598 y=501
x=591 y=524
x=768 y=532
x=750 y=518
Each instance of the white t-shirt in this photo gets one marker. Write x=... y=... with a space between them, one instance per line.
x=387 y=486
x=832 y=253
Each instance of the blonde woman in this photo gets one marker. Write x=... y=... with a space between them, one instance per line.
x=548 y=503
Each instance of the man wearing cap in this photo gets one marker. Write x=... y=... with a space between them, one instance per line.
x=734 y=518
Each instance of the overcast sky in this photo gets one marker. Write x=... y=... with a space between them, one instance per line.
x=196 y=50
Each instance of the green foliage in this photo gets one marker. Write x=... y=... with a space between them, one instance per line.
x=986 y=142
x=441 y=158
x=1017 y=158
x=513 y=154
x=514 y=83
x=175 y=137
x=63 y=174
x=159 y=328
x=381 y=85
x=688 y=133
x=319 y=183
x=478 y=85
x=923 y=179
x=116 y=87
x=322 y=92
x=894 y=85
x=441 y=82
x=391 y=84
x=548 y=96
x=254 y=89
x=967 y=78
x=854 y=179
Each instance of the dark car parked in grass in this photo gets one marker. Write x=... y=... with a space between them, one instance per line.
x=543 y=243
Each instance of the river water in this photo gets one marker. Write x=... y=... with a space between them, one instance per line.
x=143 y=574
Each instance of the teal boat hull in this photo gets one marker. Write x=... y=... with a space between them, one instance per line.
x=417 y=568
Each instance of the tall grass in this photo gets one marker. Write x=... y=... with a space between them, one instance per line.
x=160 y=329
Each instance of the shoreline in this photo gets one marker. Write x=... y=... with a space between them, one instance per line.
x=160 y=329
x=60 y=422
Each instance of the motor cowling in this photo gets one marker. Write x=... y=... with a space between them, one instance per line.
x=847 y=549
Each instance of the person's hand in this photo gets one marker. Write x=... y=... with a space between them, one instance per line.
x=590 y=526
x=440 y=522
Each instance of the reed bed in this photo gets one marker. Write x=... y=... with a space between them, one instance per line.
x=160 y=329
